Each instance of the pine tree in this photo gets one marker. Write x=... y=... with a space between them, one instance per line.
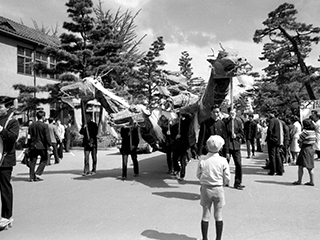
x=150 y=73
x=290 y=40
x=185 y=65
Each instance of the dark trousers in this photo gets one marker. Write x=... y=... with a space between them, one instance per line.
x=250 y=143
x=67 y=143
x=34 y=153
x=276 y=165
x=60 y=150
x=180 y=157
x=169 y=158
x=259 y=148
x=87 y=152
x=236 y=155
x=134 y=158
x=6 y=192
x=55 y=153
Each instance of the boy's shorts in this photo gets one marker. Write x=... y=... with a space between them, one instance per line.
x=212 y=194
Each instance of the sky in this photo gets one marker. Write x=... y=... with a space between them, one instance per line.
x=195 y=26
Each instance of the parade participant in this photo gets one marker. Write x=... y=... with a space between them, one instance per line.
x=234 y=128
x=275 y=137
x=90 y=144
x=213 y=173
x=55 y=140
x=129 y=145
x=166 y=126
x=9 y=131
x=60 y=131
x=306 y=155
x=212 y=126
x=250 y=132
x=181 y=145
x=39 y=144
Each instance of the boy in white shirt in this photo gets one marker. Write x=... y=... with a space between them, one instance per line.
x=213 y=172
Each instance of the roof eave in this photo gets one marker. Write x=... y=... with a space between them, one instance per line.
x=16 y=36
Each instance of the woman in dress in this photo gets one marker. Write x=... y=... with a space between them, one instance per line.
x=306 y=156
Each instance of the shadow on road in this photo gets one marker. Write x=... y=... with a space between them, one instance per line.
x=275 y=182
x=153 y=234
x=250 y=169
x=180 y=195
x=152 y=173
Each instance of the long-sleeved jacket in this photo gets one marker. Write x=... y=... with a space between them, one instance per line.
x=9 y=136
x=93 y=133
x=53 y=133
x=207 y=128
x=250 y=130
x=130 y=139
x=234 y=143
x=39 y=136
x=273 y=133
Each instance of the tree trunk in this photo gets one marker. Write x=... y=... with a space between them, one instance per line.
x=301 y=62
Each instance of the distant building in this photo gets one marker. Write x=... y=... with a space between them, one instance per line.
x=20 y=46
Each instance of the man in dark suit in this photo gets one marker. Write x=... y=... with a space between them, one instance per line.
x=212 y=126
x=275 y=138
x=250 y=132
x=9 y=131
x=39 y=144
x=235 y=135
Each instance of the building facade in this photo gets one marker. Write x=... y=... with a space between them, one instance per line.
x=20 y=48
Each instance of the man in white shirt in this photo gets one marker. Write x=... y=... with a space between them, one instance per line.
x=60 y=131
x=213 y=172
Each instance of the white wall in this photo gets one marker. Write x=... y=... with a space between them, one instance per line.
x=8 y=70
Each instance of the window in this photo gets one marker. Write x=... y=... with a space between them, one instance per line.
x=42 y=59
x=24 y=60
x=52 y=65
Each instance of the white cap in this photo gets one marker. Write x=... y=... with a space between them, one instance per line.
x=215 y=143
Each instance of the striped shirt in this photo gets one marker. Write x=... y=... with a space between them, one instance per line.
x=307 y=137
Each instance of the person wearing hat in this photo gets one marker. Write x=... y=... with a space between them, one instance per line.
x=214 y=173
x=9 y=131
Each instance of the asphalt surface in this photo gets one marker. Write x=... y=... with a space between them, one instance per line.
x=155 y=205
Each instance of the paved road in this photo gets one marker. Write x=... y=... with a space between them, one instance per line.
x=155 y=205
